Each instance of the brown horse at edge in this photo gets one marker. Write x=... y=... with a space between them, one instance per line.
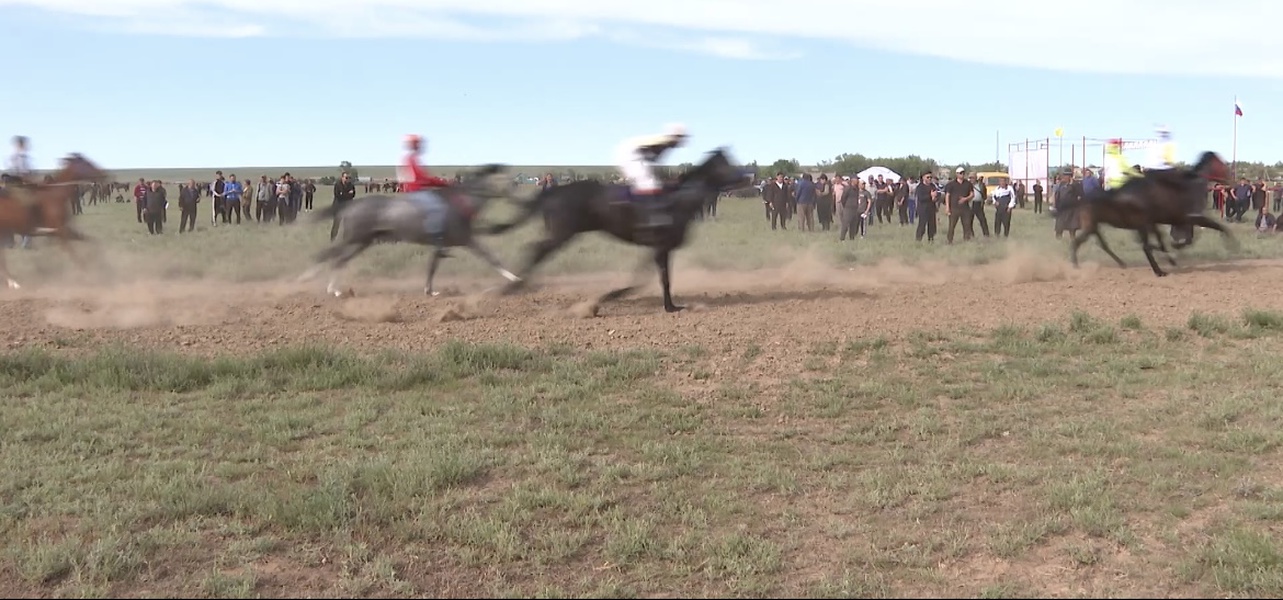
x=49 y=214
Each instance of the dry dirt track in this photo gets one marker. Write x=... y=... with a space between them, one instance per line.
x=781 y=311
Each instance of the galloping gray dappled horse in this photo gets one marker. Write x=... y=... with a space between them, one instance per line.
x=395 y=217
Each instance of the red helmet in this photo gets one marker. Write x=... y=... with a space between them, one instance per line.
x=413 y=139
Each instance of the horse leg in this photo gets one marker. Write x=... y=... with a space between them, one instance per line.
x=4 y=270
x=539 y=252
x=1100 y=239
x=1092 y=228
x=1162 y=245
x=1231 y=242
x=490 y=259
x=663 y=259
x=1078 y=240
x=322 y=258
x=616 y=294
x=347 y=254
x=1186 y=234
x=1148 y=248
x=433 y=263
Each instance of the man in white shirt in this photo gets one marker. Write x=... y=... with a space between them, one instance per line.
x=1004 y=201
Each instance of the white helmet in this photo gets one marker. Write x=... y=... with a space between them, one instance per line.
x=675 y=130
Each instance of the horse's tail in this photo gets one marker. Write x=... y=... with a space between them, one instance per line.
x=528 y=209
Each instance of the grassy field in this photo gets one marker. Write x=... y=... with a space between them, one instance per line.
x=1073 y=458
x=1109 y=466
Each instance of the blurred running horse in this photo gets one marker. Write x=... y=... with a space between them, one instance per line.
x=394 y=217
x=44 y=208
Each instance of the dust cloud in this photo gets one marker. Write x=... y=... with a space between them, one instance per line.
x=373 y=309
x=808 y=268
x=129 y=295
x=126 y=293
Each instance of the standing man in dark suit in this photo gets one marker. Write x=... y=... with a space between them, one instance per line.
x=928 y=202
x=344 y=192
x=957 y=197
x=777 y=195
x=188 y=200
x=154 y=208
x=1067 y=202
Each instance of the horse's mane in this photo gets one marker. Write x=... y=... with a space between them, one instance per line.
x=1206 y=157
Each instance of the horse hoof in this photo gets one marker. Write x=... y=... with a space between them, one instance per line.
x=431 y=293
x=13 y=285
x=672 y=308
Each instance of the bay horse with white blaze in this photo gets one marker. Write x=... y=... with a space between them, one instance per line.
x=49 y=213
x=590 y=205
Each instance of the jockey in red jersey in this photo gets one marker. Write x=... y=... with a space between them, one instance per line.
x=419 y=184
x=413 y=176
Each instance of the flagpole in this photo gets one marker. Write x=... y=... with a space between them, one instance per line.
x=1234 y=150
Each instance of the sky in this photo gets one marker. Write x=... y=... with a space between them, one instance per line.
x=227 y=83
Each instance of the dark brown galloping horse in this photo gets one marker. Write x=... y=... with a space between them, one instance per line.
x=1177 y=198
x=48 y=214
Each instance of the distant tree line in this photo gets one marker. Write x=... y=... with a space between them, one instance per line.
x=844 y=164
x=850 y=164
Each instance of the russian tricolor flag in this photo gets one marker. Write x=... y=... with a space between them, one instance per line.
x=1238 y=108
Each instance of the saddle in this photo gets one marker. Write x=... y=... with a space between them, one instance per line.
x=458 y=200
x=622 y=193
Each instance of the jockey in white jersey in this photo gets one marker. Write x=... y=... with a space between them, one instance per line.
x=636 y=159
x=1162 y=166
x=1162 y=157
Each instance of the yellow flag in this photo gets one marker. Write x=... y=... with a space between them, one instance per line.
x=1060 y=132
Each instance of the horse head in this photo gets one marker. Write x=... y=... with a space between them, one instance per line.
x=475 y=184
x=1211 y=167
x=76 y=167
x=700 y=185
x=717 y=171
x=489 y=169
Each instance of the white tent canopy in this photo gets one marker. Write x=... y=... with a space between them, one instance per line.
x=886 y=174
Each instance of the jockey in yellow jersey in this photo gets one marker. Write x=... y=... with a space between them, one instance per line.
x=1117 y=171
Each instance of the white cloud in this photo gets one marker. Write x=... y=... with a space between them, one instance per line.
x=1184 y=37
